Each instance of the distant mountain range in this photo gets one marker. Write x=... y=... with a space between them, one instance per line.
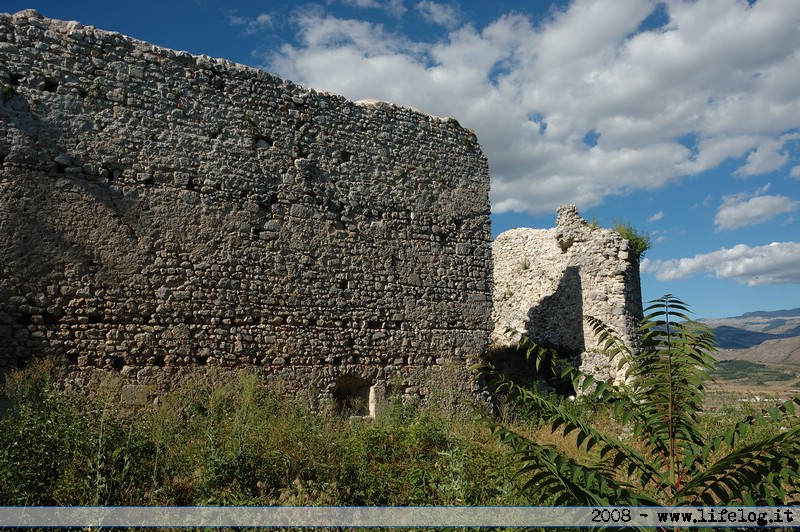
x=754 y=328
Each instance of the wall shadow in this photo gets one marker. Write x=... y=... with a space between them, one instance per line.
x=555 y=322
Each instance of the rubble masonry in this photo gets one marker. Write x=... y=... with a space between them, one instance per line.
x=162 y=212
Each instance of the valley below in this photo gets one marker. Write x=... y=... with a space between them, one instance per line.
x=759 y=353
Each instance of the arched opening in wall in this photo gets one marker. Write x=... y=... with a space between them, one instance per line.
x=352 y=396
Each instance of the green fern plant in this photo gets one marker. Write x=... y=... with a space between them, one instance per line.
x=668 y=460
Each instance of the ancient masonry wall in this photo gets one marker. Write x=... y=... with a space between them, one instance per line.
x=547 y=280
x=161 y=212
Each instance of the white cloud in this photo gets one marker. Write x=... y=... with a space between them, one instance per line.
x=251 y=26
x=774 y=263
x=740 y=210
x=446 y=15
x=766 y=158
x=795 y=171
x=715 y=149
x=363 y=4
x=720 y=71
x=656 y=217
x=393 y=7
x=353 y=40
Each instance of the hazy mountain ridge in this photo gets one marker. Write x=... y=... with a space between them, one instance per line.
x=784 y=351
x=753 y=328
x=770 y=313
x=771 y=337
x=736 y=338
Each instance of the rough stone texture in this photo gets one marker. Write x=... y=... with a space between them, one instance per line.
x=161 y=211
x=547 y=280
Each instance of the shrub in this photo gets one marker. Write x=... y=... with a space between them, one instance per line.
x=639 y=242
x=228 y=439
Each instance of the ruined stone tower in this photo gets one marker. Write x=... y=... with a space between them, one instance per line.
x=547 y=280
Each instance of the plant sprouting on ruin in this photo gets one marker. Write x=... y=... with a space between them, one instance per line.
x=639 y=241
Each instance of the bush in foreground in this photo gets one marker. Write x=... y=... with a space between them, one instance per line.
x=235 y=442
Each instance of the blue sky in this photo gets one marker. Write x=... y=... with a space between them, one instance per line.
x=681 y=118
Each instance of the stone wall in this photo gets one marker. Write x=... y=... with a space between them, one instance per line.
x=547 y=280
x=161 y=212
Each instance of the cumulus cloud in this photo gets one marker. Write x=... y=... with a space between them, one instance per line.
x=363 y=4
x=766 y=158
x=775 y=263
x=442 y=14
x=251 y=26
x=583 y=104
x=740 y=210
x=656 y=217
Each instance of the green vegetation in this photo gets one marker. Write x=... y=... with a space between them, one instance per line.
x=6 y=92
x=251 y=124
x=639 y=242
x=236 y=442
x=750 y=372
x=672 y=455
x=92 y=93
x=230 y=440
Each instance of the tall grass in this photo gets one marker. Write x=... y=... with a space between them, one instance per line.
x=235 y=442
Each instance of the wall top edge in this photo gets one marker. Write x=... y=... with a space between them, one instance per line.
x=34 y=17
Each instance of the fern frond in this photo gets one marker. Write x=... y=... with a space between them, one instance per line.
x=569 y=482
x=666 y=373
x=607 y=338
x=609 y=448
x=669 y=377
x=755 y=474
x=784 y=413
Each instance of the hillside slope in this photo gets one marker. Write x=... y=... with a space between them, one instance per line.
x=783 y=351
x=754 y=328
